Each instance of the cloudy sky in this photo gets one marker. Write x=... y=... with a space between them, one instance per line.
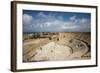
x=51 y=21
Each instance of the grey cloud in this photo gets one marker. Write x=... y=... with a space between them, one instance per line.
x=51 y=23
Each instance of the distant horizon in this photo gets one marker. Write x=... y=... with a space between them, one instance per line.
x=52 y=21
x=56 y=32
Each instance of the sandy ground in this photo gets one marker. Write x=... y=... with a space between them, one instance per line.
x=46 y=50
x=52 y=51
